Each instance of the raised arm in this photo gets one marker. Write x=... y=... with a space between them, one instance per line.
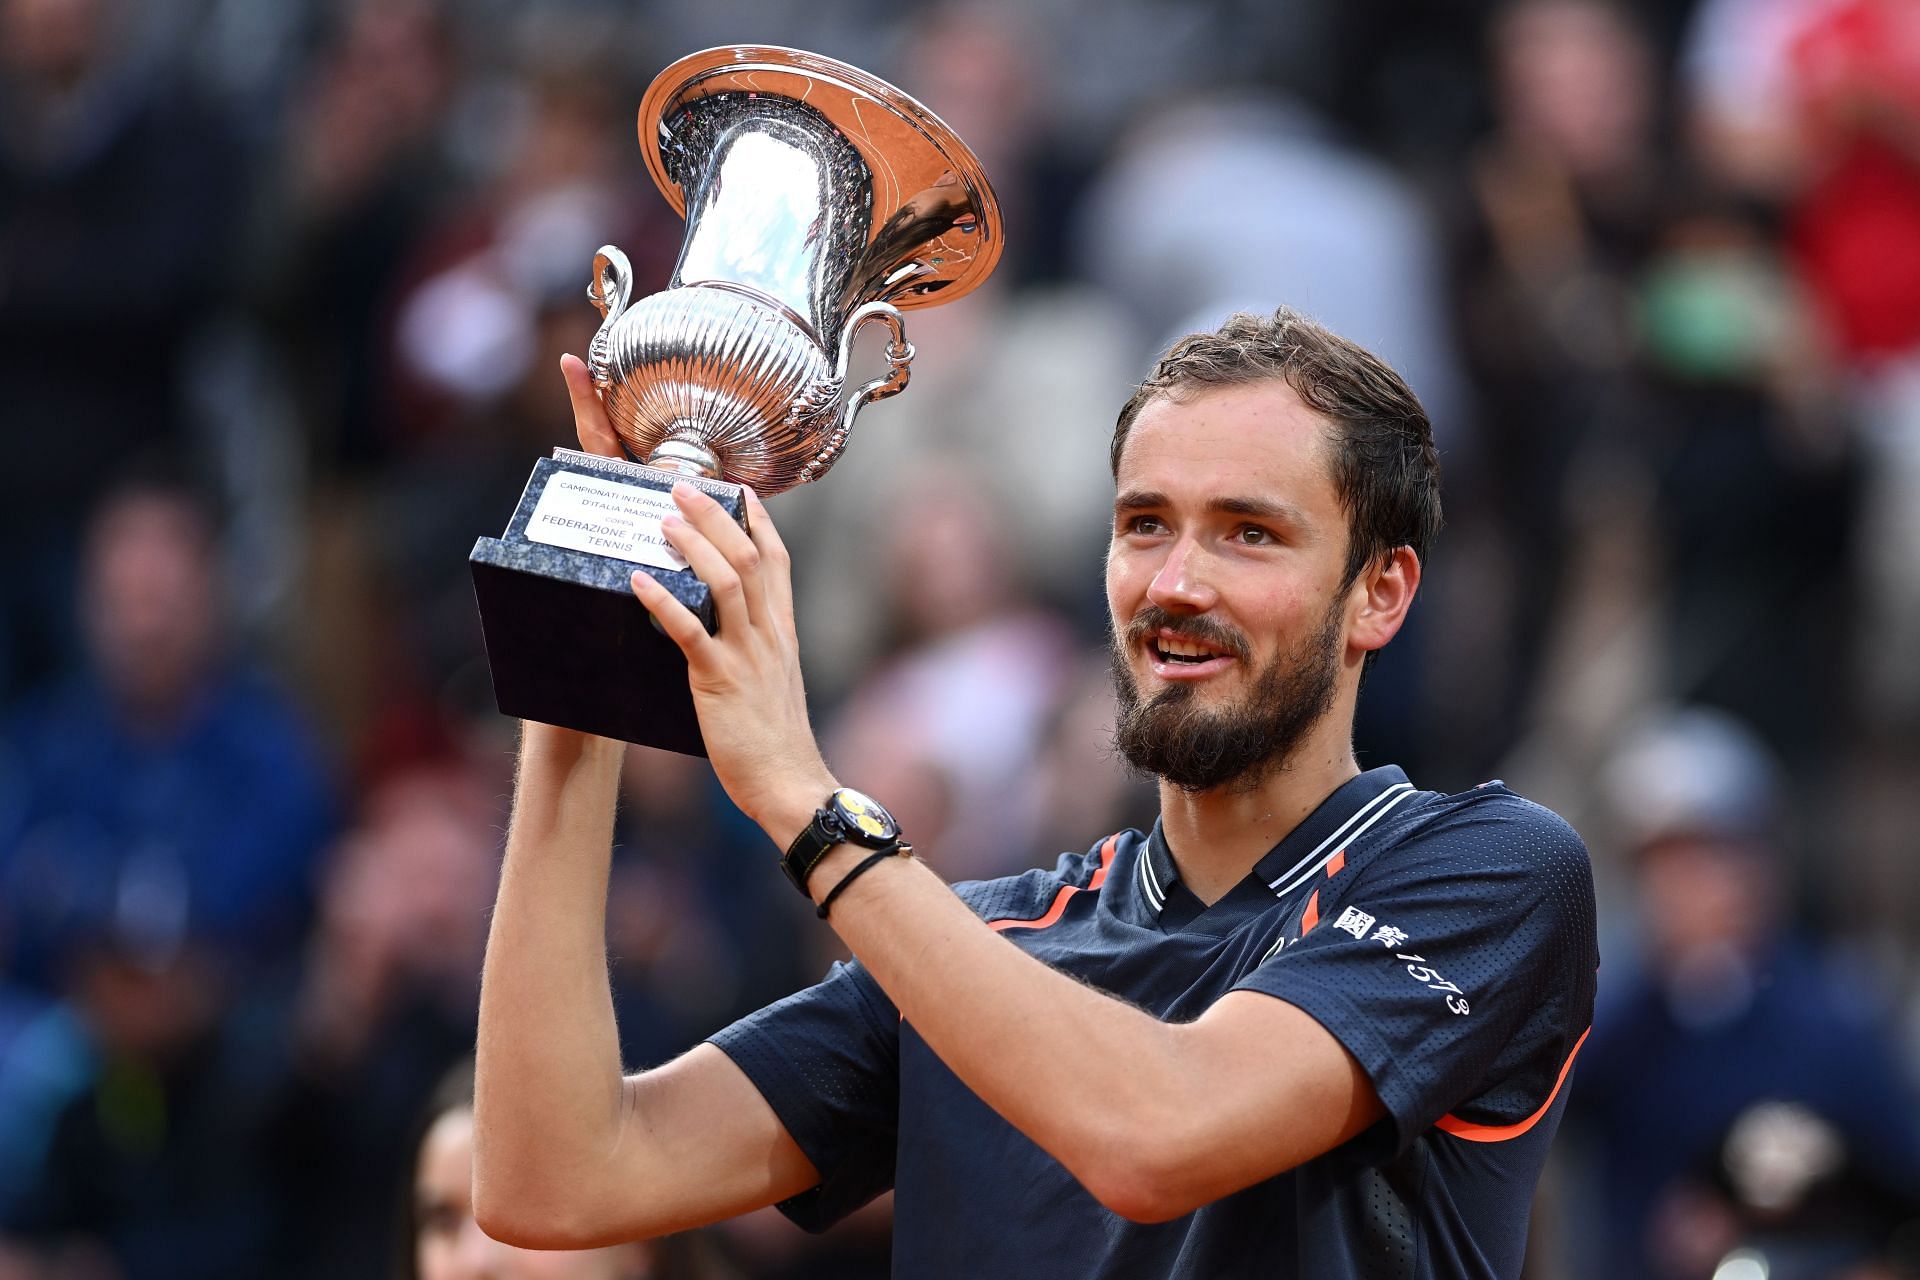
x=567 y=1153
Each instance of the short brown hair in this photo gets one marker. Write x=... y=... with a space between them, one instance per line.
x=1386 y=471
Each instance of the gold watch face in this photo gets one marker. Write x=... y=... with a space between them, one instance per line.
x=866 y=813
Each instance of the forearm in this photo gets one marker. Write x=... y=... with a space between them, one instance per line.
x=548 y=1081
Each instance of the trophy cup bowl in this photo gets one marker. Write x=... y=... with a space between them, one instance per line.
x=819 y=200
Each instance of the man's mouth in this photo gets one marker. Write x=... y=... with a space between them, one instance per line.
x=1183 y=648
x=1176 y=656
x=1172 y=648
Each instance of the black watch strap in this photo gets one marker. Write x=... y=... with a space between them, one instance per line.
x=811 y=845
x=847 y=818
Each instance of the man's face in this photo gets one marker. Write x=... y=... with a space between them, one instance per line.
x=1223 y=582
x=152 y=601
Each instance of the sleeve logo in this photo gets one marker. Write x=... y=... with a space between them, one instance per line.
x=1356 y=922
x=1426 y=974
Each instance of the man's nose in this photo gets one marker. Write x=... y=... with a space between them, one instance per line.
x=1181 y=584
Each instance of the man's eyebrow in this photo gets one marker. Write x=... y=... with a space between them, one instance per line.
x=1258 y=508
x=1233 y=505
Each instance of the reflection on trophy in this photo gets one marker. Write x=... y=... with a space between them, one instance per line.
x=819 y=200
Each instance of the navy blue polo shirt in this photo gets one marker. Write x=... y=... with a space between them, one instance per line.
x=1446 y=941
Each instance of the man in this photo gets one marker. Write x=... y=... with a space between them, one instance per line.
x=1315 y=1023
x=218 y=807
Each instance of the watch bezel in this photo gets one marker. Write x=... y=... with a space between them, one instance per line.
x=847 y=818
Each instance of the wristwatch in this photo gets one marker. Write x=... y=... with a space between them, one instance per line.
x=848 y=817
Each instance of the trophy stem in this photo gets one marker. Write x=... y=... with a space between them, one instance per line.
x=685 y=452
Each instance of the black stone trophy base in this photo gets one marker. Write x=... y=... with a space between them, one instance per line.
x=567 y=641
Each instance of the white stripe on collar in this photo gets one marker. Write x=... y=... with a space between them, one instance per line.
x=1346 y=833
x=1149 y=882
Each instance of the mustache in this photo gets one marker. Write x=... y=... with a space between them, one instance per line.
x=1152 y=619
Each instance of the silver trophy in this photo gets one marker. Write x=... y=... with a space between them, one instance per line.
x=818 y=199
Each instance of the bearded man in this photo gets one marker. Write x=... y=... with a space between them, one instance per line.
x=1315 y=1023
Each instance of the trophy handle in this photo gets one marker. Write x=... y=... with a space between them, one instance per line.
x=890 y=383
x=611 y=286
x=899 y=358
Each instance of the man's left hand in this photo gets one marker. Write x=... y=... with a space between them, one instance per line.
x=746 y=681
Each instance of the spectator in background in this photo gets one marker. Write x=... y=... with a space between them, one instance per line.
x=1854 y=227
x=153 y=1161
x=360 y=170
x=1554 y=215
x=119 y=194
x=951 y=725
x=1812 y=107
x=1243 y=201
x=1753 y=492
x=385 y=1000
x=166 y=777
x=163 y=810
x=1740 y=1086
x=1826 y=122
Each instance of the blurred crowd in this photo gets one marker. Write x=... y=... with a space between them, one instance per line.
x=283 y=287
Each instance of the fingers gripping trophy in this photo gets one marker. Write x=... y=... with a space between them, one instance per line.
x=819 y=200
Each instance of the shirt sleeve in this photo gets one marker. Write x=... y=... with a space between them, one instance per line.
x=1457 y=968
x=827 y=1060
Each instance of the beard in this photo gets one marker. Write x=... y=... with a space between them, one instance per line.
x=1172 y=737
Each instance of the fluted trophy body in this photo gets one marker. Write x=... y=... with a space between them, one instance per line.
x=818 y=200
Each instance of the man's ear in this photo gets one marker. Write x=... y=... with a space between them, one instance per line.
x=1380 y=598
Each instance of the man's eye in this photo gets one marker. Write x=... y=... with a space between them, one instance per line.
x=1141 y=524
x=1254 y=535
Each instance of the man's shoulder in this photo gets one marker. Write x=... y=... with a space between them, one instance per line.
x=1486 y=845
x=1032 y=893
x=1489 y=821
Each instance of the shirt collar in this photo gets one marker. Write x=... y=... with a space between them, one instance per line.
x=1158 y=875
x=1353 y=808
x=1343 y=817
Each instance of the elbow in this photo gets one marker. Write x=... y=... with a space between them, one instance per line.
x=539 y=1214
x=1166 y=1166
x=501 y=1220
x=527 y=1223
x=506 y=1204
x=514 y=1219
x=1142 y=1193
x=1141 y=1173
x=1144 y=1204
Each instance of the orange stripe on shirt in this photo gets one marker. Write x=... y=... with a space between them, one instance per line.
x=1311 y=916
x=1336 y=864
x=1500 y=1133
x=1059 y=905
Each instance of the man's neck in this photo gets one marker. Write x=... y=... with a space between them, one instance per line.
x=1217 y=836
